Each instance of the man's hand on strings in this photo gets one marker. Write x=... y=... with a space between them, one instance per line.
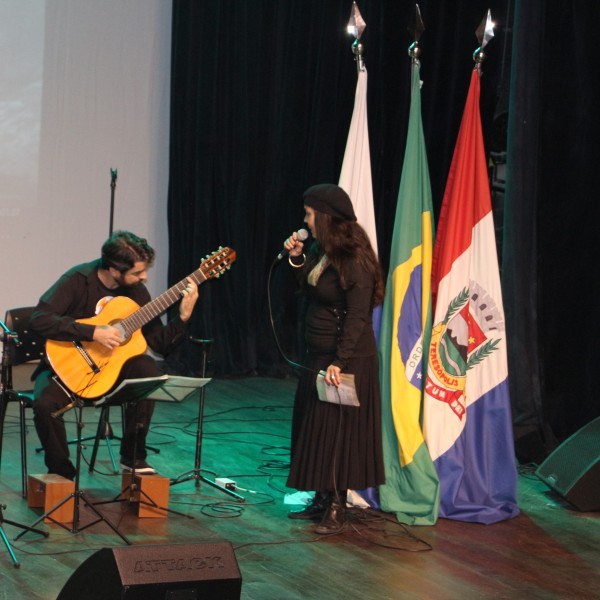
x=189 y=296
x=108 y=336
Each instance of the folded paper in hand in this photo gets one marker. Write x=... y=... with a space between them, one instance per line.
x=345 y=393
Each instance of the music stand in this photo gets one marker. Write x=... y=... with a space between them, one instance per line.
x=195 y=474
x=136 y=390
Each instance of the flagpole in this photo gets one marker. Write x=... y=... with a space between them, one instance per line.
x=355 y=178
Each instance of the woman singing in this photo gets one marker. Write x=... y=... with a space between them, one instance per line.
x=336 y=447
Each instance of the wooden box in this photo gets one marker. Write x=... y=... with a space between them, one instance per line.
x=46 y=491
x=148 y=489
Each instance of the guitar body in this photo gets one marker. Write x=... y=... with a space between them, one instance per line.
x=72 y=367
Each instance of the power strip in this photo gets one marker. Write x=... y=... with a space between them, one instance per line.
x=228 y=484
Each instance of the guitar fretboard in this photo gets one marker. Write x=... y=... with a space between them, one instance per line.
x=212 y=266
x=159 y=305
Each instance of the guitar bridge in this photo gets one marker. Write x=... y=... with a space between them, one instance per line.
x=95 y=368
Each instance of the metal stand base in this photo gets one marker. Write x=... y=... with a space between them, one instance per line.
x=194 y=474
x=133 y=487
x=16 y=563
x=78 y=494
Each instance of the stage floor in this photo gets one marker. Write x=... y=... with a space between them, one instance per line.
x=548 y=552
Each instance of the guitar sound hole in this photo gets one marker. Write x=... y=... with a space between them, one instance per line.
x=126 y=338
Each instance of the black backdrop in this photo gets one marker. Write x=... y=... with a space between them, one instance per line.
x=262 y=96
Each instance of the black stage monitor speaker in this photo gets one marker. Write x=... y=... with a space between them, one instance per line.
x=573 y=469
x=165 y=572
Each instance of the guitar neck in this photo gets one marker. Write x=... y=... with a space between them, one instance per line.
x=159 y=305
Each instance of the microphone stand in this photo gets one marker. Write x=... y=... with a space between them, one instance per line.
x=105 y=430
x=113 y=184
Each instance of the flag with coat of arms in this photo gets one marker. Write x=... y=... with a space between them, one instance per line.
x=467 y=417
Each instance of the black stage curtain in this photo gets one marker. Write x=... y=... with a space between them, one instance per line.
x=261 y=100
x=550 y=277
x=520 y=240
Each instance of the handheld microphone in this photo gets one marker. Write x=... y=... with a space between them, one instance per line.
x=302 y=235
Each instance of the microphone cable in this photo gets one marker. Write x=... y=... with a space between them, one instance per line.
x=274 y=331
x=302 y=235
x=272 y=321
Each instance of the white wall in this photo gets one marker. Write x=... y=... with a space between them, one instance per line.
x=84 y=87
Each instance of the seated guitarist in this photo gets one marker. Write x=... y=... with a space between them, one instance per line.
x=81 y=293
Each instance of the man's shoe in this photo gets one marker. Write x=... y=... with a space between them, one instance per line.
x=315 y=509
x=141 y=466
x=67 y=471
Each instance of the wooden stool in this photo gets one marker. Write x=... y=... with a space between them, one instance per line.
x=46 y=491
x=148 y=489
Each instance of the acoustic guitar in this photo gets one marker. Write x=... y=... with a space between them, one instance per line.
x=89 y=369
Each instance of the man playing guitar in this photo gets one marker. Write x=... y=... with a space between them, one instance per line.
x=80 y=295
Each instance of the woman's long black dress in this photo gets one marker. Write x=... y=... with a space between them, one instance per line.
x=337 y=447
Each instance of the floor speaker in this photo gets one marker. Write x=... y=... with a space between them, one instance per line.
x=573 y=469
x=165 y=572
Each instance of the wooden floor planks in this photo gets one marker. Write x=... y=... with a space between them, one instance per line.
x=549 y=552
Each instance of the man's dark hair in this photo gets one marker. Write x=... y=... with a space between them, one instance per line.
x=123 y=249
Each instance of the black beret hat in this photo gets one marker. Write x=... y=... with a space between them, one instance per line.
x=330 y=199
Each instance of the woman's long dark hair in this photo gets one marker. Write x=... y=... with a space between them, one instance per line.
x=347 y=244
